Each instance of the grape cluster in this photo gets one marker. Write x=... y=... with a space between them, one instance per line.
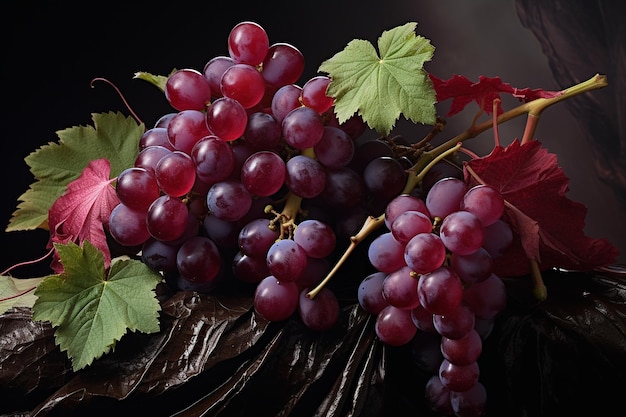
x=239 y=181
x=252 y=178
x=435 y=287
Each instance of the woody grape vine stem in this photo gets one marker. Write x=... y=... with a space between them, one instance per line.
x=533 y=109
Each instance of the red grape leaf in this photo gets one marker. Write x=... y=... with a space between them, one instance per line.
x=463 y=91
x=549 y=225
x=82 y=212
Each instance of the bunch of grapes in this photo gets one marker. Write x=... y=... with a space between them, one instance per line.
x=435 y=287
x=239 y=182
x=253 y=179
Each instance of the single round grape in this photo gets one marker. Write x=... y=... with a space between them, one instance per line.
x=187 y=89
x=286 y=260
x=305 y=176
x=498 y=238
x=263 y=173
x=402 y=203
x=470 y=403
x=409 y=224
x=394 y=326
x=157 y=136
x=213 y=71
x=423 y=319
x=335 y=149
x=485 y=202
x=159 y=256
x=226 y=118
x=344 y=188
x=317 y=238
x=321 y=312
x=440 y=291
x=274 y=300
x=256 y=237
x=248 y=43
x=285 y=99
x=370 y=293
x=228 y=200
x=282 y=65
x=463 y=350
x=127 y=225
x=137 y=187
x=486 y=298
x=263 y=131
x=149 y=157
x=384 y=177
x=458 y=378
x=302 y=128
x=175 y=173
x=314 y=94
x=445 y=196
x=222 y=232
x=424 y=253
x=214 y=159
x=386 y=254
x=437 y=396
x=462 y=232
x=192 y=228
x=187 y=128
x=400 y=289
x=475 y=267
x=456 y=323
x=167 y=218
x=198 y=259
x=249 y=269
x=244 y=83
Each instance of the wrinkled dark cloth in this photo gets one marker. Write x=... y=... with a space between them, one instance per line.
x=215 y=357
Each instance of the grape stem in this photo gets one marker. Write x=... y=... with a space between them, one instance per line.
x=286 y=219
x=371 y=224
x=417 y=172
x=119 y=93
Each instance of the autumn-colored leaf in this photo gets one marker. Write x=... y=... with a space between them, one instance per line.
x=462 y=91
x=82 y=212
x=550 y=226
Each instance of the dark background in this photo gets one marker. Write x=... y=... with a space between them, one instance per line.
x=51 y=52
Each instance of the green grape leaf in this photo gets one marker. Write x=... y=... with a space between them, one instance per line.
x=382 y=87
x=17 y=292
x=157 y=80
x=90 y=309
x=113 y=137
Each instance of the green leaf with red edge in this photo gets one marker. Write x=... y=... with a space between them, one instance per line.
x=549 y=225
x=462 y=91
x=82 y=211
